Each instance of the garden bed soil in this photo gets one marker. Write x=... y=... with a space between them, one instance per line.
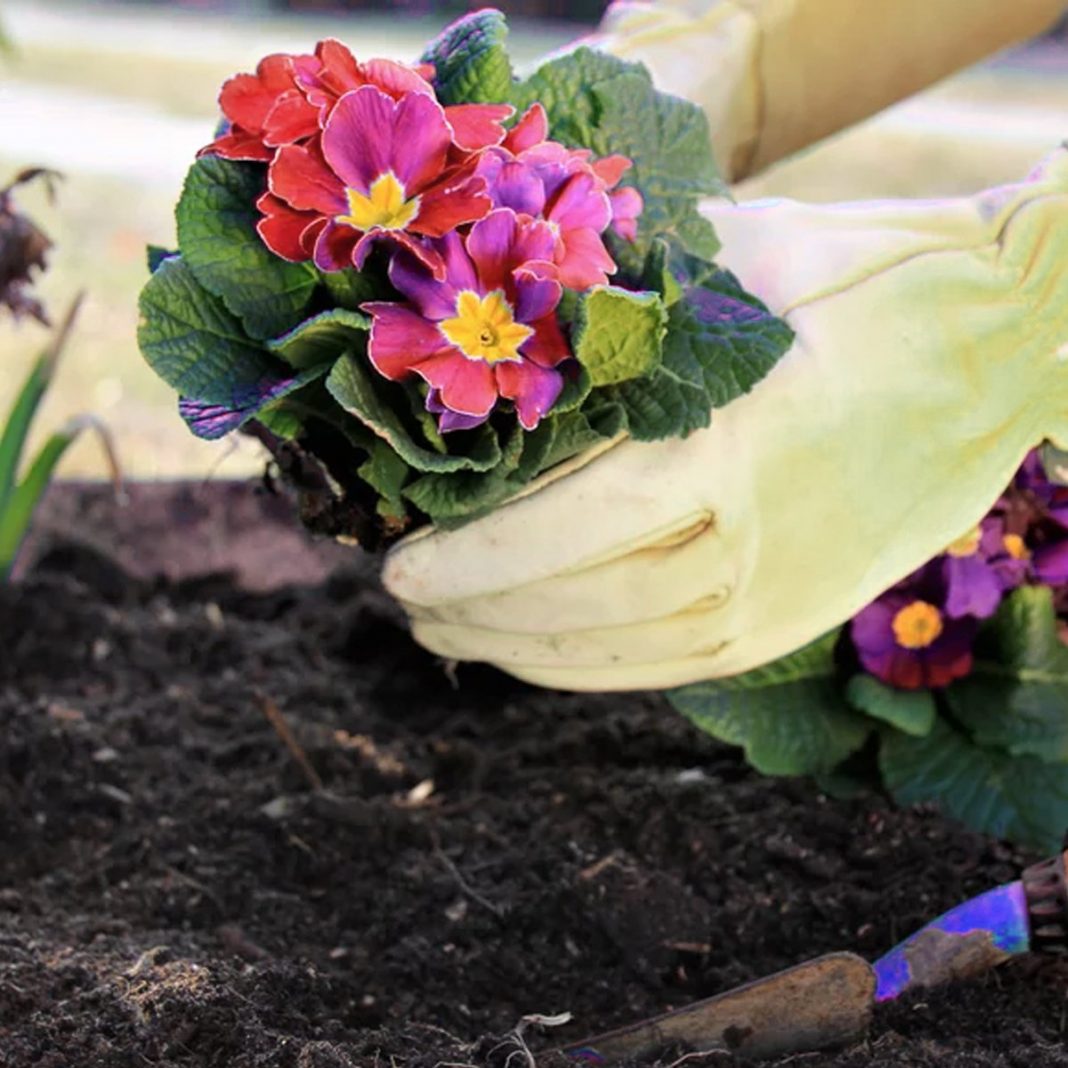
x=459 y=851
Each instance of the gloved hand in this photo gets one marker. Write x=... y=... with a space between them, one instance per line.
x=931 y=354
x=775 y=76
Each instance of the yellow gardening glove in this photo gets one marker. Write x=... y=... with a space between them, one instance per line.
x=931 y=353
x=775 y=76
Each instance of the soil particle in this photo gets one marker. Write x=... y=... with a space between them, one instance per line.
x=175 y=891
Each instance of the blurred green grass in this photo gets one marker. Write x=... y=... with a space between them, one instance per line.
x=103 y=218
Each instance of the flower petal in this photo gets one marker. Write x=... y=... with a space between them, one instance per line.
x=419 y=250
x=582 y=259
x=547 y=346
x=435 y=298
x=400 y=338
x=291 y=119
x=444 y=207
x=358 y=137
x=421 y=138
x=464 y=386
x=609 y=169
x=238 y=144
x=529 y=131
x=301 y=178
x=581 y=203
x=448 y=419
x=536 y=294
x=396 y=79
x=534 y=389
x=512 y=184
x=477 y=126
x=334 y=246
x=282 y=228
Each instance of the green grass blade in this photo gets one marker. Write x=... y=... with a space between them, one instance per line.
x=17 y=428
x=16 y=515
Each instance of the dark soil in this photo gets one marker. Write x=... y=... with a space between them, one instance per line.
x=175 y=890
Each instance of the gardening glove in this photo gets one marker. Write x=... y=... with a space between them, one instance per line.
x=775 y=76
x=931 y=353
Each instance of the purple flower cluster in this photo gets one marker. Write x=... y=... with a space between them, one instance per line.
x=919 y=633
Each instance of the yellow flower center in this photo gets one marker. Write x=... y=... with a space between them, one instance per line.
x=1015 y=547
x=484 y=327
x=966 y=544
x=383 y=207
x=917 y=625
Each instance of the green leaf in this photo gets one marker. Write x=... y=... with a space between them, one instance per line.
x=471 y=64
x=789 y=716
x=575 y=432
x=321 y=339
x=361 y=393
x=217 y=235
x=1016 y=696
x=385 y=472
x=1022 y=798
x=720 y=342
x=349 y=288
x=911 y=711
x=620 y=334
x=596 y=101
x=193 y=342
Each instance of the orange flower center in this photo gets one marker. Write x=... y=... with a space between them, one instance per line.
x=917 y=625
x=1015 y=547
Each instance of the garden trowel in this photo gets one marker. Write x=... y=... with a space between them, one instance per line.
x=828 y=1001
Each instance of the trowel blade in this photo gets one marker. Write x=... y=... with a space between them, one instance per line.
x=823 y=1002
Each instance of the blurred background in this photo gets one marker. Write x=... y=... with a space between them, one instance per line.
x=120 y=96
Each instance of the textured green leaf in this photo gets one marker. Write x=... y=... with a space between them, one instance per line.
x=357 y=389
x=596 y=101
x=385 y=472
x=911 y=711
x=452 y=499
x=1016 y=696
x=789 y=716
x=575 y=432
x=1022 y=798
x=471 y=64
x=720 y=342
x=217 y=236
x=349 y=288
x=194 y=343
x=322 y=339
x=620 y=334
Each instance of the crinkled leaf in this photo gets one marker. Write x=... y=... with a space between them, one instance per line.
x=322 y=339
x=452 y=499
x=620 y=334
x=196 y=345
x=1022 y=798
x=577 y=386
x=911 y=711
x=212 y=421
x=349 y=288
x=1016 y=696
x=357 y=389
x=789 y=716
x=575 y=432
x=605 y=104
x=217 y=235
x=386 y=473
x=720 y=342
x=471 y=65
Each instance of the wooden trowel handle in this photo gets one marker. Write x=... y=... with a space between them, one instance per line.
x=821 y=1003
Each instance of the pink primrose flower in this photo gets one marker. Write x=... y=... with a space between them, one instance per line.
x=542 y=178
x=485 y=330
x=382 y=169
